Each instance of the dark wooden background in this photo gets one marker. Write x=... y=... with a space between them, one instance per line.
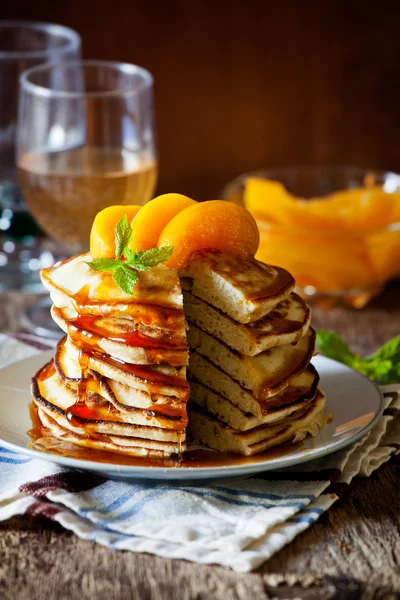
x=244 y=84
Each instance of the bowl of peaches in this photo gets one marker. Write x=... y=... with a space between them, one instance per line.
x=336 y=229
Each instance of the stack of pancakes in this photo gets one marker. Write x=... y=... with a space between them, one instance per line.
x=117 y=381
x=118 y=378
x=252 y=385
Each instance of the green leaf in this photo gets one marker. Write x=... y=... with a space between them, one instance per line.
x=124 y=272
x=383 y=366
x=129 y=255
x=331 y=345
x=132 y=260
x=125 y=278
x=154 y=256
x=104 y=264
x=389 y=350
x=123 y=234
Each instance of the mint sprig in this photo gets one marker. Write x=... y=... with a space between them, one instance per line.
x=123 y=234
x=383 y=366
x=125 y=267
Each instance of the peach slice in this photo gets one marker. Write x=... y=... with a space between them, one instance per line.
x=327 y=262
x=153 y=217
x=102 y=236
x=356 y=208
x=214 y=225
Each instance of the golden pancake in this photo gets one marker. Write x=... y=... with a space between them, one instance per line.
x=206 y=429
x=265 y=374
x=89 y=292
x=128 y=347
x=302 y=387
x=148 y=384
x=285 y=324
x=112 y=443
x=97 y=415
x=243 y=288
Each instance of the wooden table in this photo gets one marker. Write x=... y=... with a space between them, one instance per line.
x=352 y=552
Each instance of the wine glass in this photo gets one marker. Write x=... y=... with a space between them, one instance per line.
x=85 y=141
x=23 y=44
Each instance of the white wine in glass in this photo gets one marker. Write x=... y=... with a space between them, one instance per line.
x=66 y=189
x=85 y=141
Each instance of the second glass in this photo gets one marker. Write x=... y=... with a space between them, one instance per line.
x=85 y=140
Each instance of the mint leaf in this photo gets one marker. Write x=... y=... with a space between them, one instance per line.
x=123 y=234
x=383 y=366
x=389 y=350
x=125 y=278
x=125 y=272
x=385 y=362
x=132 y=260
x=154 y=256
x=331 y=345
x=129 y=255
x=104 y=264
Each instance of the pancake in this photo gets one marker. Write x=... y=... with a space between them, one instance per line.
x=128 y=446
x=167 y=409
x=97 y=416
x=264 y=375
x=149 y=382
x=159 y=322
x=285 y=324
x=232 y=415
x=89 y=292
x=303 y=387
x=243 y=288
x=94 y=333
x=206 y=429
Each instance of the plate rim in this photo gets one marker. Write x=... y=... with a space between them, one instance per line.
x=181 y=473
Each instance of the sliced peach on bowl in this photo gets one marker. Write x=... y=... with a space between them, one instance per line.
x=102 y=234
x=212 y=225
x=271 y=202
x=356 y=208
x=384 y=250
x=153 y=217
x=328 y=262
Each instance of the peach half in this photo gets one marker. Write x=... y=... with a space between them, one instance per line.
x=212 y=225
x=102 y=235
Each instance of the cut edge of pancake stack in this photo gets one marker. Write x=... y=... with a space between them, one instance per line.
x=118 y=378
x=250 y=340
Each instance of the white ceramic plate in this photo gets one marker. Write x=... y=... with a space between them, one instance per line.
x=355 y=402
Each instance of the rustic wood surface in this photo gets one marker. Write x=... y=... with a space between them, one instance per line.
x=352 y=552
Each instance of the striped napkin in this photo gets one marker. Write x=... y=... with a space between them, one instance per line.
x=238 y=525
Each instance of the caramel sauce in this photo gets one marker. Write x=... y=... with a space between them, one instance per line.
x=154 y=309
x=174 y=418
x=80 y=410
x=86 y=339
x=83 y=360
x=149 y=313
x=47 y=371
x=42 y=437
x=198 y=458
x=282 y=282
x=88 y=325
x=164 y=410
x=298 y=365
x=286 y=326
x=153 y=378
